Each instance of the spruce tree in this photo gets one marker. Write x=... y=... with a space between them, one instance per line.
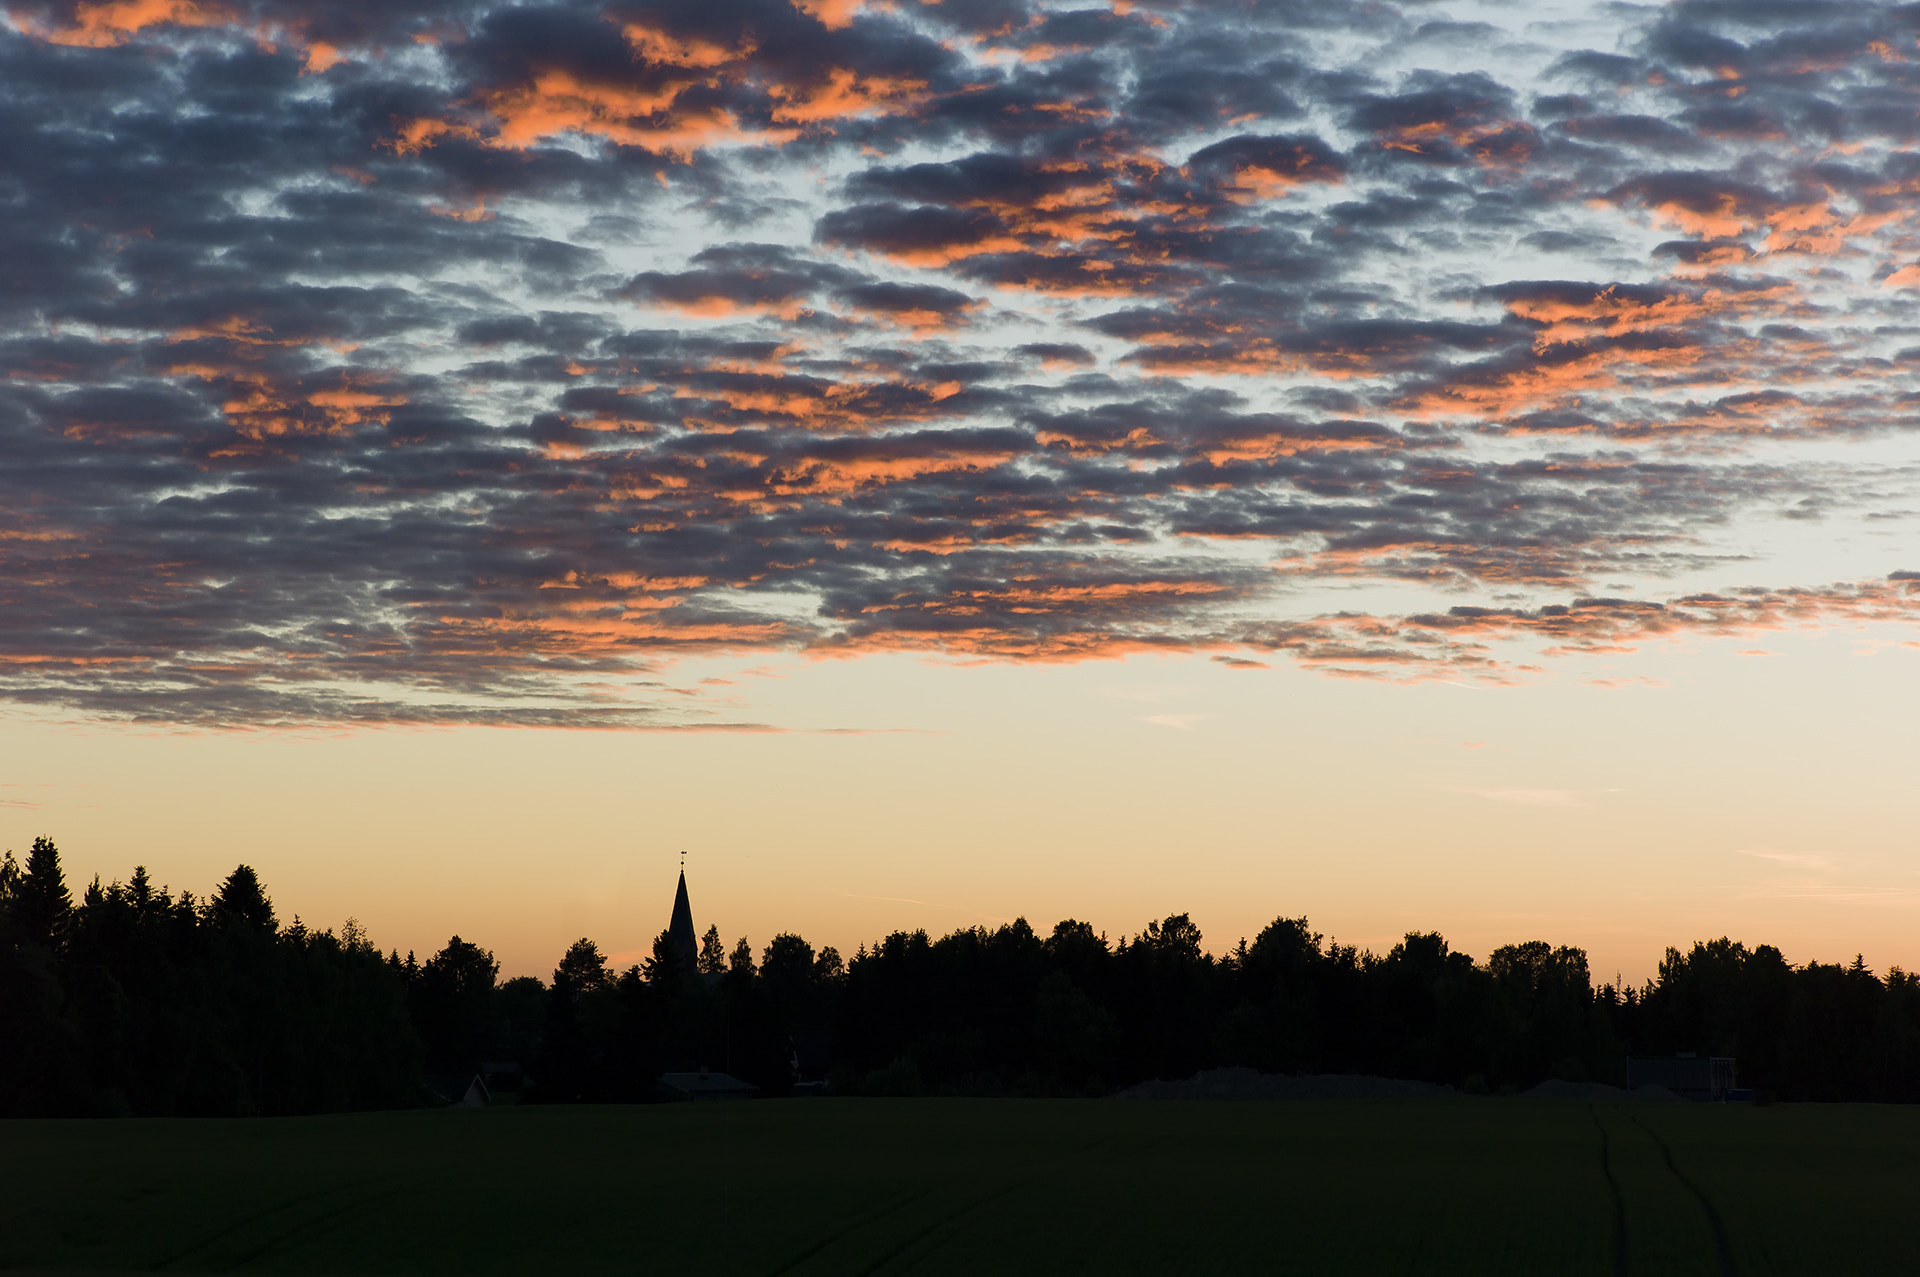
x=713 y=954
x=41 y=901
x=242 y=900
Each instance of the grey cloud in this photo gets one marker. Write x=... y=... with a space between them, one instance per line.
x=353 y=392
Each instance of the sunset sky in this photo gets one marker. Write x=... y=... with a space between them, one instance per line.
x=1435 y=466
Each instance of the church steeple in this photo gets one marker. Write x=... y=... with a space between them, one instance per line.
x=686 y=946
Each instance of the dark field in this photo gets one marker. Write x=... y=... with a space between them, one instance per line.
x=978 y=1186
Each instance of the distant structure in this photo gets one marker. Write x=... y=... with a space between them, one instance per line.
x=459 y=1090
x=704 y=1085
x=1708 y=1078
x=680 y=936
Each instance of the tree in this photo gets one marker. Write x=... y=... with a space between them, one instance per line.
x=666 y=967
x=1177 y=937
x=582 y=969
x=713 y=954
x=1537 y=969
x=1073 y=1038
x=579 y=1004
x=467 y=970
x=1287 y=947
x=241 y=901
x=140 y=891
x=1165 y=1010
x=740 y=961
x=1549 y=999
x=787 y=964
x=41 y=1064
x=453 y=1003
x=520 y=1005
x=1079 y=951
x=41 y=900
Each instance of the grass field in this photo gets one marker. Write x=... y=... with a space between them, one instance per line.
x=978 y=1186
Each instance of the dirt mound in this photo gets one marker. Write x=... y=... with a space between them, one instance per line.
x=1249 y=1084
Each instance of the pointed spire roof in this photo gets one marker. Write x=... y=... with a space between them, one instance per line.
x=680 y=930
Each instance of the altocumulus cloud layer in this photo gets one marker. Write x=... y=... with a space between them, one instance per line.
x=448 y=361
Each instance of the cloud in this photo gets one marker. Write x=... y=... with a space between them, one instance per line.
x=1796 y=859
x=1526 y=797
x=1181 y=722
x=455 y=361
x=1469 y=640
x=1832 y=892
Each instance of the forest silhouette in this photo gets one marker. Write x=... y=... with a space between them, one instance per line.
x=137 y=1001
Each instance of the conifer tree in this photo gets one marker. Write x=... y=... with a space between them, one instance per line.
x=740 y=961
x=140 y=890
x=41 y=901
x=713 y=954
x=242 y=900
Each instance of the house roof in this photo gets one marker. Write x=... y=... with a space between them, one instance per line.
x=706 y=1084
x=456 y=1088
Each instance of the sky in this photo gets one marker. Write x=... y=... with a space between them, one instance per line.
x=1420 y=466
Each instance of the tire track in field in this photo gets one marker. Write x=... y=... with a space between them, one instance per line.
x=1722 y=1242
x=1033 y=1174
x=357 y=1196
x=1622 y=1265
x=852 y=1226
x=951 y=1217
x=917 y=1236
x=314 y=1226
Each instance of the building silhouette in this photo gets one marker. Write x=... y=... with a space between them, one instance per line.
x=680 y=934
x=1689 y=1075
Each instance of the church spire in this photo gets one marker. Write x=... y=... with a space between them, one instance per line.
x=680 y=935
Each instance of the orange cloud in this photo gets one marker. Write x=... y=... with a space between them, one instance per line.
x=1612 y=313
x=843 y=96
x=833 y=14
x=416 y=135
x=1496 y=143
x=919 y=321
x=712 y=307
x=1720 y=220
x=822 y=476
x=558 y=102
x=653 y=109
x=99 y=25
x=658 y=46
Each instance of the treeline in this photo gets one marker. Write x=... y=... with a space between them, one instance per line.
x=1008 y=1011
x=137 y=1001
x=133 y=1000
